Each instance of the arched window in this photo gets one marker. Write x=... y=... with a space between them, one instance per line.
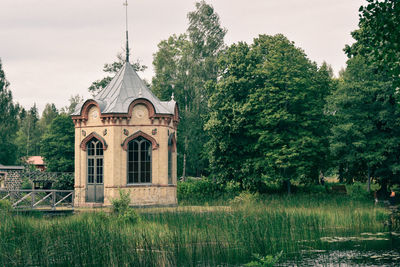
x=171 y=149
x=95 y=171
x=139 y=161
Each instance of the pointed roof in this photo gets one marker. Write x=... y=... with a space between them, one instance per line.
x=123 y=89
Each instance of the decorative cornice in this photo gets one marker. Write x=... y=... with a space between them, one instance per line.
x=147 y=103
x=89 y=137
x=136 y=135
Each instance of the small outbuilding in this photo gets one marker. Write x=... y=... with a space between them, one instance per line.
x=125 y=139
x=37 y=162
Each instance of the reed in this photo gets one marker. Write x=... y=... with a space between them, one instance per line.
x=187 y=236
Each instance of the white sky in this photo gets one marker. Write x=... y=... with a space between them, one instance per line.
x=54 y=49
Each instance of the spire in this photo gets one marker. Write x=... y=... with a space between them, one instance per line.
x=126 y=26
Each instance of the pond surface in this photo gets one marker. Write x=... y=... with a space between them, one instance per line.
x=367 y=249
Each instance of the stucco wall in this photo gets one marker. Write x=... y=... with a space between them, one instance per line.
x=115 y=158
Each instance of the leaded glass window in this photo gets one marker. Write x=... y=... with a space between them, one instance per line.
x=169 y=166
x=139 y=161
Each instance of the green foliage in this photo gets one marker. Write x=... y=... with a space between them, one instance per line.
x=57 y=145
x=121 y=204
x=183 y=65
x=359 y=191
x=112 y=69
x=49 y=113
x=375 y=38
x=74 y=100
x=266 y=261
x=29 y=134
x=8 y=122
x=365 y=137
x=5 y=207
x=267 y=120
x=245 y=198
x=192 y=236
x=26 y=183
x=199 y=190
x=64 y=181
x=120 y=207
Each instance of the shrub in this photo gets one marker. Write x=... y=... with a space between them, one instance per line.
x=121 y=208
x=200 y=190
x=358 y=191
x=121 y=204
x=5 y=206
x=245 y=198
x=267 y=261
x=26 y=184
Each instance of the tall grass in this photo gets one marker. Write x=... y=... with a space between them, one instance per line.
x=186 y=236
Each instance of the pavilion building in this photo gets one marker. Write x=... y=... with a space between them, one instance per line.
x=125 y=139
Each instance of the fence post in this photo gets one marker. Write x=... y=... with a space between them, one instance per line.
x=53 y=205
x=33 y=199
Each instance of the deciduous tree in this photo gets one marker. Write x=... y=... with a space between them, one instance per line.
x=267 y=119
x=57 y=145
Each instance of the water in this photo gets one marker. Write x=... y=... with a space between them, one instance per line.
x=366 y=249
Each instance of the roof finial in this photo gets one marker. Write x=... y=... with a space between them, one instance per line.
x=126 y=25
x=172 y=96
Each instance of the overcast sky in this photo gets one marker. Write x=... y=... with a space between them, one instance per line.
x=54 y=49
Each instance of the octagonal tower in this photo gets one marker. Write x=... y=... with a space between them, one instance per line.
x=125 y=139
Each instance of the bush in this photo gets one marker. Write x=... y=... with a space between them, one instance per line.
x=121 y=208
x=199 y=190
x=121 y=204
x=245 y=198
x=359 y=191
x=5 y=206
x=26 y=184
x=267 y=261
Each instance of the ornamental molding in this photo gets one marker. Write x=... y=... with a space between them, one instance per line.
x=153 y=141
x=89 y=137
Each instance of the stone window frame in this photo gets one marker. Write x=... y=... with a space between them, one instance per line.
x=171 y=150
x=95 y=157
x=140 y=172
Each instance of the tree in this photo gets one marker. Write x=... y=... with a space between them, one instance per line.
x=183 y=65
x=365 y=136
x=8 y=121
x=377 y=38
x=29 y=134
x=267 y=119
x=112 y=69
x=74 y=100
x=57 y=145
x=49 y=113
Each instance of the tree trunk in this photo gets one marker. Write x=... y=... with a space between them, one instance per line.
x=340 y=173
x=369 y=180
x=184 y=167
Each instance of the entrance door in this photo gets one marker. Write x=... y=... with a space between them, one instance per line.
x=95 y=185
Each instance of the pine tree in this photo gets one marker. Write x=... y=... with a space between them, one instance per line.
x=8 y=121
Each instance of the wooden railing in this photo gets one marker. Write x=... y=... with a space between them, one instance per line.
x=39 y=199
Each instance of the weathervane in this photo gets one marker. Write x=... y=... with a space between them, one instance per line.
x=126 y=25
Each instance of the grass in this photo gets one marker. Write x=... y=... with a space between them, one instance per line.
x=187 y=236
